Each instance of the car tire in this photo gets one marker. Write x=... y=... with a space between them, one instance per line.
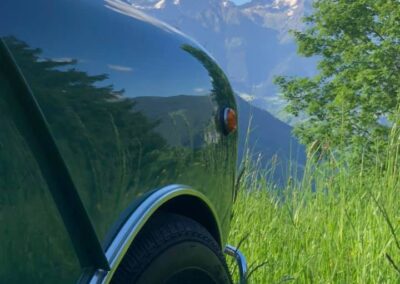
x=173 y=249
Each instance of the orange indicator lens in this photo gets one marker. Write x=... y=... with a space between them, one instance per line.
x=230 y=120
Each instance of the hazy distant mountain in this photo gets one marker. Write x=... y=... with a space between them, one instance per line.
x=272 y=139
x=268 y=136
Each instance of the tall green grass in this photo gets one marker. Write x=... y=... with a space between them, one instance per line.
x=336 y=225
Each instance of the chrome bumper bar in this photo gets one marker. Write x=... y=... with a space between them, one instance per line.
x=240 y=261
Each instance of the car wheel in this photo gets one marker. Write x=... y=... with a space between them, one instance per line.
x=173 y=249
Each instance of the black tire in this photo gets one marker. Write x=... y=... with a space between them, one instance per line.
x=173 y=249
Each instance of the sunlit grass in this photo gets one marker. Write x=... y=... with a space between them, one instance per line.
x=333 y=226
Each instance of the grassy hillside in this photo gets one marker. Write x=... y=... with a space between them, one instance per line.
x=334 y=226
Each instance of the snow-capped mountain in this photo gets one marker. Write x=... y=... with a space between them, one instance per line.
x=251 y=41
x=278 y=15
x=252 y=44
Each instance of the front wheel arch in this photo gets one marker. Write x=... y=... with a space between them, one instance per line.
x=177 y=199
x=171 y=248
x=197 y=210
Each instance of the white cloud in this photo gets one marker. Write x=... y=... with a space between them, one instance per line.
x=63 y=59
x=120 y=68
x=247 y=97
x=290 y=3
x=199 y=90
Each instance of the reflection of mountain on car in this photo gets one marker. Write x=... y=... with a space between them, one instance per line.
x=107 y=171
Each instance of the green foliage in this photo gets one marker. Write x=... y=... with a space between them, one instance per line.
x=358 y=83
x=333 y=226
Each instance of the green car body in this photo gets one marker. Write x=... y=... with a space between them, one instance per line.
x=107 y=116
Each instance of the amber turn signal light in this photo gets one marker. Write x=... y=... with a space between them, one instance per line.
x=229 y=120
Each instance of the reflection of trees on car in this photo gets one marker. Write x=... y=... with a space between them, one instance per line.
x=31 y=231
x=115 y=149
x=80 y=112
x=222 y=92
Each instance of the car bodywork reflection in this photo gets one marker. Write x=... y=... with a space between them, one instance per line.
x=130 y=112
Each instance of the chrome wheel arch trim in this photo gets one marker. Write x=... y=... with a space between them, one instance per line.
x=240 y=262
x=135 y=222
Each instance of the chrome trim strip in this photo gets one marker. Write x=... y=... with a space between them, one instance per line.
x=240 y=261
x=119 y=246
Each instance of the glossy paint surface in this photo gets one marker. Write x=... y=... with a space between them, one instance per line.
x=34 y=244
x=133 y=104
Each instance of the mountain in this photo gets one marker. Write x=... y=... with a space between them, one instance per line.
x=267 y=135
x=271 y=138
x=251 y=42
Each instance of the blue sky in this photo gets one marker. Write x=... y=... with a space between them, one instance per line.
x=239 y=2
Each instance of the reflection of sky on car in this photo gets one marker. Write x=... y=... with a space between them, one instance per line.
x=240 y=2
x=91 y=41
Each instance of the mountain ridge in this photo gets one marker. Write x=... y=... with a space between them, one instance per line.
x=251 y=42
x=264 y=134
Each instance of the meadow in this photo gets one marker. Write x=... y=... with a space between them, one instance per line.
x=335 y=225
